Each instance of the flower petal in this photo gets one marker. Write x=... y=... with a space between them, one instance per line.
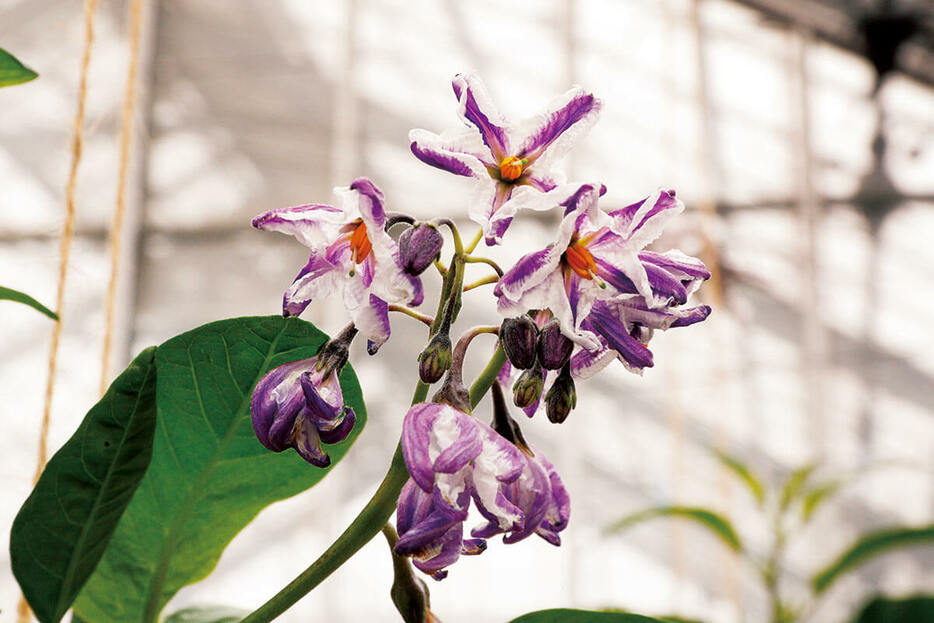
x=477 y=109
x=318 y=279
x=641 y=225
x=454 y=153
x=616 y=333
x=555 y=130
x=313 y=224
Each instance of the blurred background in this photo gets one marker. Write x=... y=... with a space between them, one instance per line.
x=800 y=134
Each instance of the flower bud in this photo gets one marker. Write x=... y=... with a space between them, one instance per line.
x=554 y=348
x=419 y=246
x=435 y=360
x=561 y=398
x=528 y=388
x=519 y=337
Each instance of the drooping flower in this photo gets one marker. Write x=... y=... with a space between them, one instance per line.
x=624 y=328
x=513 y=164
x=351 y=256
x=297 y=405
x=454 y=458
x=538 y=491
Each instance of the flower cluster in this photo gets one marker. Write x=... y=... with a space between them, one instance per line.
x=594 y=294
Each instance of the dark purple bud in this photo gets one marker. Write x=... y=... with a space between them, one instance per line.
x=334 y=354
x=419 y=246
x=554 y=348
x=435 y=360
x=519 y=337
x=561 y=398
x=528 y=388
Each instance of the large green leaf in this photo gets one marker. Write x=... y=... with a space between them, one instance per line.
x=742 y=471
x=63 y=528
x=565 y=615
x=209 y=475
x=716 y=523
x=869 y=546
x=917 y=609
x=9 y=294
x=12 y=71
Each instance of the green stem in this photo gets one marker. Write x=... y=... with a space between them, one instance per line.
x=486 y=378
x=476 y=240
x=367 y=525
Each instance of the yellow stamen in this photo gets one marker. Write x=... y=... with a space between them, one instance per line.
x=360 y=245
x=579 y=259
x=510 y=169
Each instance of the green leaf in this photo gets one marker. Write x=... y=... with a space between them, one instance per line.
x=207 y=614
x=209 y=475
x=564 y=615
x=916 y=609
x=869 y=546
x=66 y=522
x=796 y=481
x=741 y=470
x=12 y=71
x=715 y=522
x=21 y=297
x=817 y=495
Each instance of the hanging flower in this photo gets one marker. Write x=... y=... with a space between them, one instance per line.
x=453 y=458
x=513 y=164
x=296 y=405
x=351 y=255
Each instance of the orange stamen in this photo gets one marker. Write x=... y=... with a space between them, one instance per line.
x=579 y=259
x=510 y=169
x=360 y=244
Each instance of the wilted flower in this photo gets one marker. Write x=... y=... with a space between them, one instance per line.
x=296 y=405
x=451 y=457
x=538 y=491
x=513 y=164
x=624 y=328
x=351 y=255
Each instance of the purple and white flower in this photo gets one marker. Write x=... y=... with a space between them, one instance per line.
x=605 y=290
x=295 y=405
x=351 y=256
x=513 y=164
x=453 y=458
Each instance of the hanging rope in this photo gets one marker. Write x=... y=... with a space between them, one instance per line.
x=116 y=229
x=77 y=142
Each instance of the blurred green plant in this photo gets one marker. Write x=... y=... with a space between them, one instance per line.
x=788 y=509
x=12 y=71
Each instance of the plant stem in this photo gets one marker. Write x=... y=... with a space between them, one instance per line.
x=476 y=240
x=402 y=309
x=480 y=282
x=486 y=378
x=473 y=259
x=367 y=525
